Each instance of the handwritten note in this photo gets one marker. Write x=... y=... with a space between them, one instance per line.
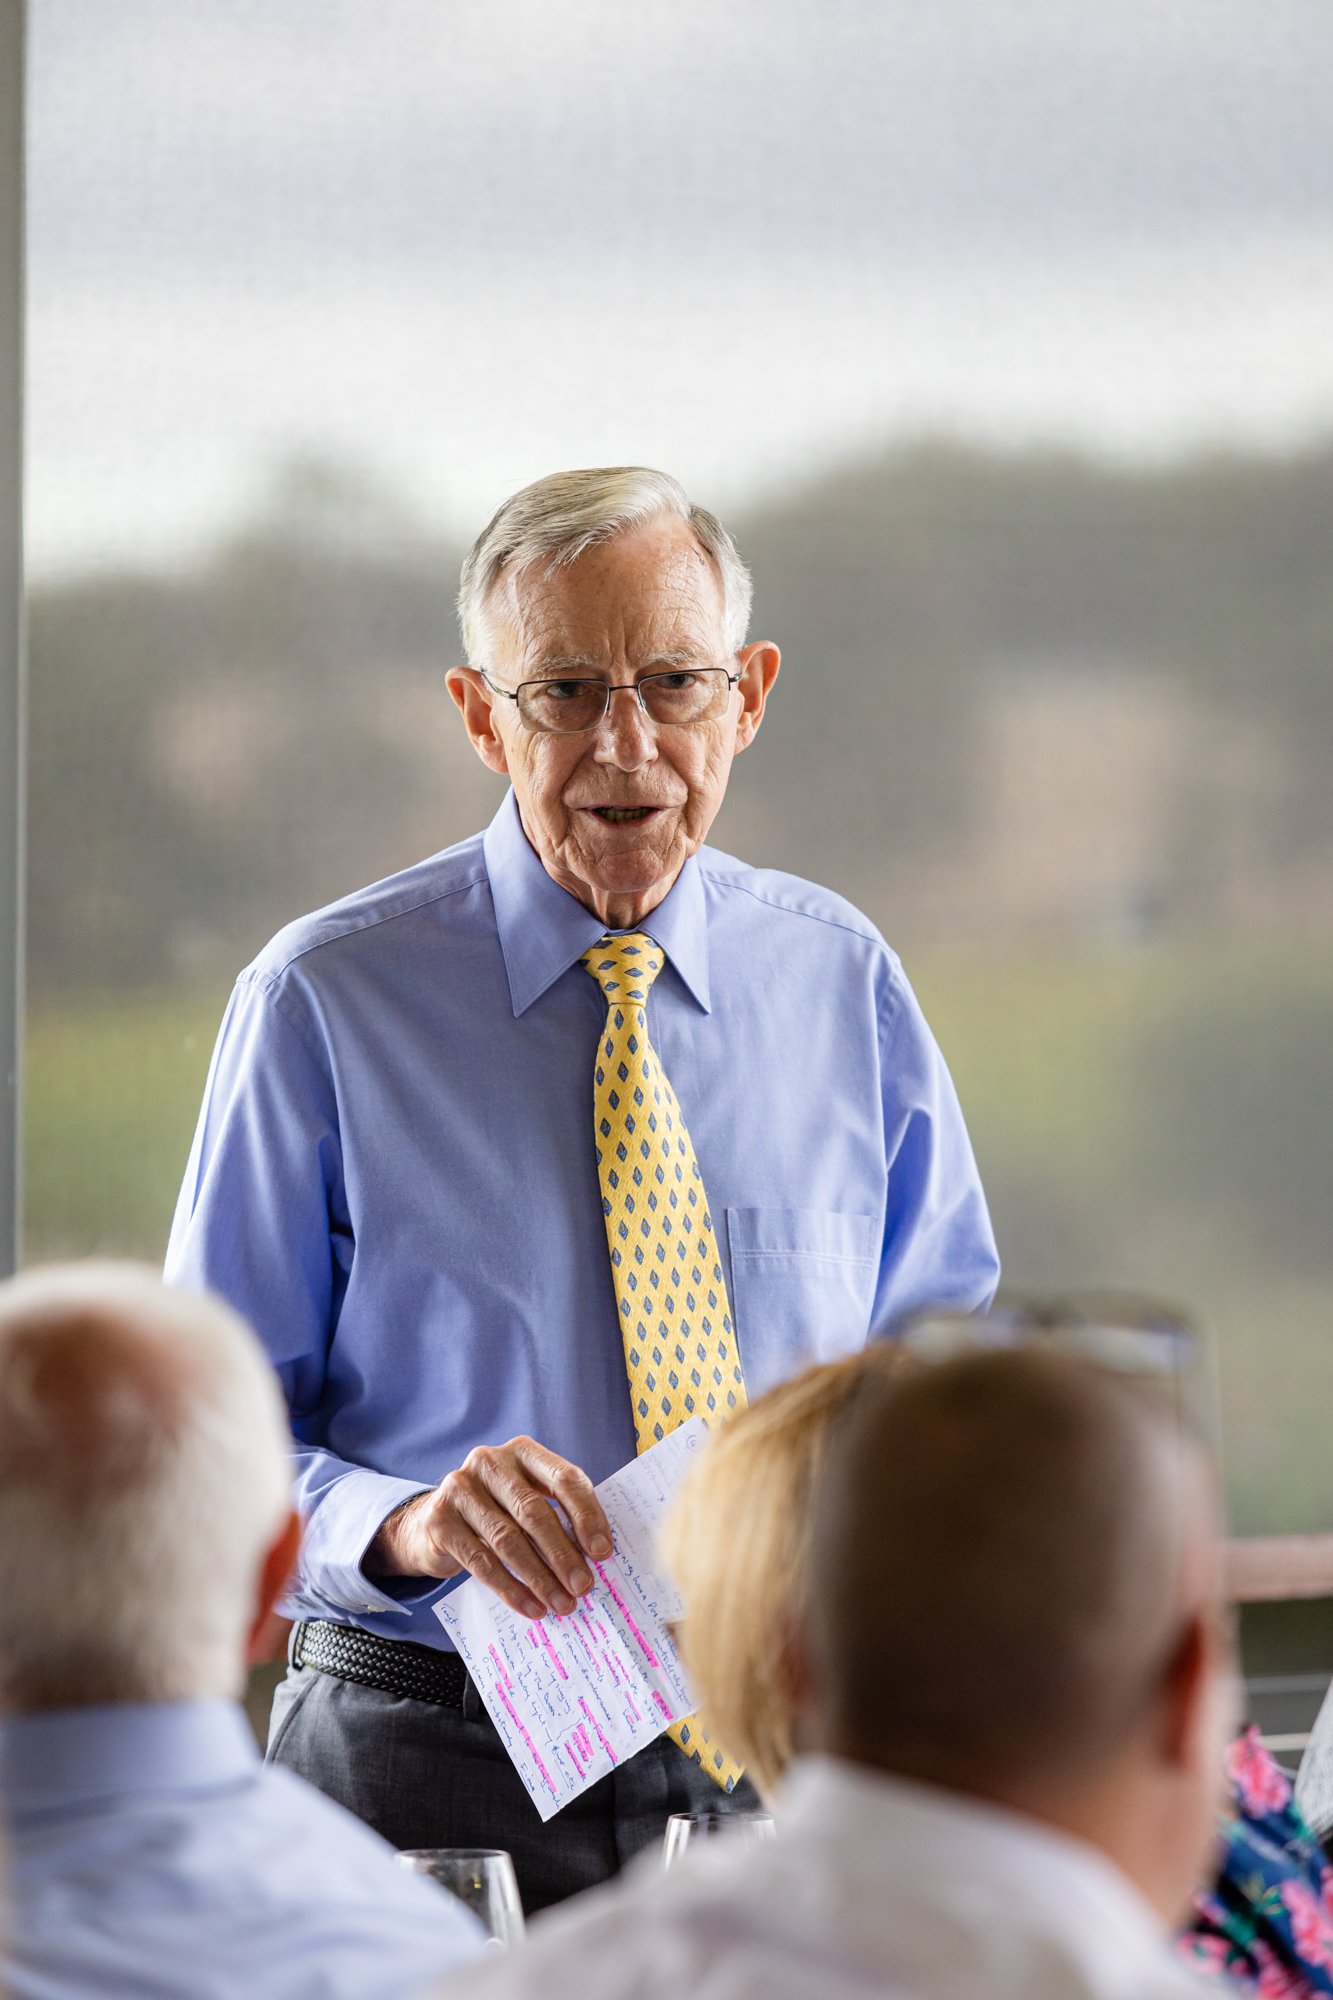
x=573 y=1697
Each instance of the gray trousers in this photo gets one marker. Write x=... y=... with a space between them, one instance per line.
x=425 y=1776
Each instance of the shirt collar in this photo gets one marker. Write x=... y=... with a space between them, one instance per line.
x=932 y=1838
x=64 y=1757
x=544 y=930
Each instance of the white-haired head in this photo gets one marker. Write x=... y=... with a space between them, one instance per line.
x=552 y=522
x=144 y=1476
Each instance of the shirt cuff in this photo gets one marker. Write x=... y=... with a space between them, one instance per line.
x=339 y=1532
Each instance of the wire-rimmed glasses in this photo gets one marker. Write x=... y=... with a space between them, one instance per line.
x=1123 y=1332
x=570 y=706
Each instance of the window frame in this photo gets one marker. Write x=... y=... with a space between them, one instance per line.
x=13 y=664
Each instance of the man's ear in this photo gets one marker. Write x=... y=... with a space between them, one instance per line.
x=759 y=665
x=474 y=702
x=274 y=1575
x=1196 y=1694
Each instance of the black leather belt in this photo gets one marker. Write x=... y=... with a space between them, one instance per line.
x=398 y=1666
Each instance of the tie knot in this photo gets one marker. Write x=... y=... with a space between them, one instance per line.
x=625 y=967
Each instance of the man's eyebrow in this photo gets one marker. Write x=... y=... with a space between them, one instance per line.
x=559 y=664
x=564 y=663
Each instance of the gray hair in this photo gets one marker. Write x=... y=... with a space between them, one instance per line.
x=553 y=522
x=144 y=1473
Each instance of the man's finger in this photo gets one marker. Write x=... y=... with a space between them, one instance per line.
x=500 y=1473
x=529 y=1506
x=575 y=1492
x=501 y=1533
x=479 y=1561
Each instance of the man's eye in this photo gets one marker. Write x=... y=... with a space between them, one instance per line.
x=675 y=683
x=564 y=690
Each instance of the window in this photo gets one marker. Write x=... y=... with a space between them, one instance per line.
x=1000 y=338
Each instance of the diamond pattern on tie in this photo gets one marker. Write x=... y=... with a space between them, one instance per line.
x=681 y=1359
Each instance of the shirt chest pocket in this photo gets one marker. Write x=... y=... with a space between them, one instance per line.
x=802 y=1286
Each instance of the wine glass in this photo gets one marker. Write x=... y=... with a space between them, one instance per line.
x=481 y=1877
x=686 y=1829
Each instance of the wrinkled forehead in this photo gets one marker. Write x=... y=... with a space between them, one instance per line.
x=648 y=593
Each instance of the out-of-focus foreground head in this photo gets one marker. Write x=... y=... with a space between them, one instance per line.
x=144 y=1480
x=735 y=1542
x=1015 y=1593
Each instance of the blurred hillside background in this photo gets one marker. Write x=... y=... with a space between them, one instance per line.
x=1001 y=340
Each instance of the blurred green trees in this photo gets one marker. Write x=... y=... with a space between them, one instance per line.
x=1063 y=729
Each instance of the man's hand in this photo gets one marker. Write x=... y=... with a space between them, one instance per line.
x=494 y=1517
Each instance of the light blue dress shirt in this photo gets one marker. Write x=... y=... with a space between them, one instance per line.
x=393 y=1176
x=153 y=1856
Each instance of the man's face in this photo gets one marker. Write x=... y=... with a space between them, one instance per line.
x=615 y=812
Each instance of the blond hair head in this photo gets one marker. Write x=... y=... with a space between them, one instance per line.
x=736 y=1542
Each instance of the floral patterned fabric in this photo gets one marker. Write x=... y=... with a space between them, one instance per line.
x=1266 y=1922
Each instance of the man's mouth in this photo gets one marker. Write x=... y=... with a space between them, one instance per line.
x=623 y=815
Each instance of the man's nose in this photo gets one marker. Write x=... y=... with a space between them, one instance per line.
x=626 y=736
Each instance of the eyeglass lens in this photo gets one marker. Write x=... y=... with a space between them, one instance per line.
x=695 y=694
x=1136 y=1336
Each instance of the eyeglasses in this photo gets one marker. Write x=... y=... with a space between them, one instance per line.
x=1118 y=1331
x=1135 y=1336
x=676 y=699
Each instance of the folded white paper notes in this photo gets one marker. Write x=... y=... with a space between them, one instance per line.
x=573 y=1697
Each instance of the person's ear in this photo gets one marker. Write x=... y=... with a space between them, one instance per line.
x=796 y=1681
x=264 y=1637
x=759 y=665
x=1198 y=1695
x=476 y=705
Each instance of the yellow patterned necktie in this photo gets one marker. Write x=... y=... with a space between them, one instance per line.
x=680 y=1345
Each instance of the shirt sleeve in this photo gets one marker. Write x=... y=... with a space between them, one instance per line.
x=939 y=1247
x=263 y=1221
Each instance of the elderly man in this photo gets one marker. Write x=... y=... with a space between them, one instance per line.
x=145 y=1530
x=524 y=1156
x=1016 y=1685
